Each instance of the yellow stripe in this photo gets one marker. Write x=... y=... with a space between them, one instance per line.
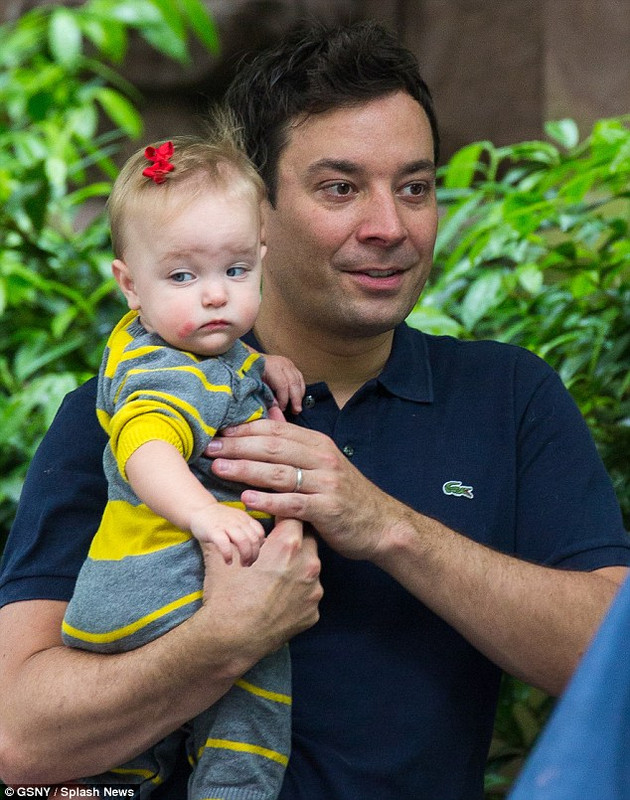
x=256 y=415
x=118 y=340
x=157 y=399
x=127 y=630
x=197 y=373
x=138 y=352
x=142 y=773
x=247 y=364
x=257 y=690
x=104 y=418
x=128 y=530
x=243 y=747
x=243 y=507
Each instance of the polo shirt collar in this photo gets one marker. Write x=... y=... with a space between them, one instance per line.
x=407 y=373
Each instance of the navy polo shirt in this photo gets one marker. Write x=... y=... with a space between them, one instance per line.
x=390 y=703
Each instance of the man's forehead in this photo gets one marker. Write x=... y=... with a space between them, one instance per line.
x=358 y=125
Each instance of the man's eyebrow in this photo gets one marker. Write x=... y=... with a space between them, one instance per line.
x=352 y=168
x=422 y=165
x=334 y=164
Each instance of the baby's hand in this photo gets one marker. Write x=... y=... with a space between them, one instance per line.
x=228 y=527
x=286 y=382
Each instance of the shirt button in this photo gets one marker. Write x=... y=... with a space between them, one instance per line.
x=348 y=450
x=309 y=401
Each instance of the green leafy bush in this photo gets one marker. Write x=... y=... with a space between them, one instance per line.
x=64 y=109
x=534 y=249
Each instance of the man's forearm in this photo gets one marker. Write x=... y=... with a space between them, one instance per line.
x=535 y=622
x=68 y=713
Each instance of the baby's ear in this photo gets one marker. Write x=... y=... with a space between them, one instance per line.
x=124 y=279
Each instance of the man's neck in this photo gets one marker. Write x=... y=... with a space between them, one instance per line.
x=343 y=363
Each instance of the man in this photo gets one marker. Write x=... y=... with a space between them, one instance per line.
x=440 y=477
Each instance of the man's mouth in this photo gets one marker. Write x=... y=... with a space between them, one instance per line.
x=379 y=273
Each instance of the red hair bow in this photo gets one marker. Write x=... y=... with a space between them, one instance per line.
x=160 y=156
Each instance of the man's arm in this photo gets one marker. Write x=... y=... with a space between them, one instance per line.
x=68 y=713
x=533 y=621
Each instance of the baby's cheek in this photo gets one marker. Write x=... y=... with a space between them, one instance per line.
x=185 y=330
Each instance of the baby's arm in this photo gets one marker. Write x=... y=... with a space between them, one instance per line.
x=161 y=478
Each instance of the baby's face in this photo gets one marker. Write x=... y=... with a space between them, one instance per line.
x=195 y=272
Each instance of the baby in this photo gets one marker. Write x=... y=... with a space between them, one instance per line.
x=186 y=231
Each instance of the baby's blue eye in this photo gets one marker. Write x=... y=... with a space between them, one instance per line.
x=182 y=277
x=236 y=272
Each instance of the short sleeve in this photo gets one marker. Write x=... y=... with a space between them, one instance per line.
x=165 y=395
x=60 y=507
x=567 y=512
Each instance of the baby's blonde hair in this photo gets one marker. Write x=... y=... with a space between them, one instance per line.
x=200 y=163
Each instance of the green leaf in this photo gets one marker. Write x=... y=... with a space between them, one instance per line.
x=56 y=172
x=433 y=321
x=482 y=296
x=61 y=322
x=167 y=40
x=464 y=165
x=530 y=278
x=202 y=24
x=108 y=36
x=121 y=112
x=138 y=13
x=563 y=131
x=33 y=357
x=64 y=37
x=584 y=284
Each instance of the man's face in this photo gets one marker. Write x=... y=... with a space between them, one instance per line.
x=351 y=237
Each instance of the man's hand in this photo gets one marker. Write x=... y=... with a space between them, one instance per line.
x=265 y=605
x=309 y=478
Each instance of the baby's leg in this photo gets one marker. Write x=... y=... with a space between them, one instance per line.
x=241 y=745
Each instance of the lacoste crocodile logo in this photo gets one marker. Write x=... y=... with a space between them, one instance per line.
x=457 y=489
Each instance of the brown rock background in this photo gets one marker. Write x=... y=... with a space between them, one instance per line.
x=498 y=69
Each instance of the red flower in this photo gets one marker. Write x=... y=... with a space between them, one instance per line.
x=161 y=166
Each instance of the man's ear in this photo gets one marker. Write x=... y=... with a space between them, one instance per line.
x=124 y=279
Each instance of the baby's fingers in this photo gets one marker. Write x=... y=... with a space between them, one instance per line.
x=247 y=538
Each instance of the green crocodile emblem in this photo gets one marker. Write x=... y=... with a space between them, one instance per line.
x=457 y=489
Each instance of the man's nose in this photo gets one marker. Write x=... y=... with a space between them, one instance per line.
x=381 y=221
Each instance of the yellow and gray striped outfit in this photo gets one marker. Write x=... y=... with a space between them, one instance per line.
x=143 y=576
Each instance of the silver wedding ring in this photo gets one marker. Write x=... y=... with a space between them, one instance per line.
x=299 y=477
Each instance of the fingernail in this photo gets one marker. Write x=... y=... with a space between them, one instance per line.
x=214 y=446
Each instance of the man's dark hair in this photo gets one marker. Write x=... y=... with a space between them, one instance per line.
x=313 y=69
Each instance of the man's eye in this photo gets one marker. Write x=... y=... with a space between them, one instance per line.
x=339 y=189
x=182 y=277
x=417 y=189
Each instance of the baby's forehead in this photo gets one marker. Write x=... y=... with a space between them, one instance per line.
x=183 y=196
